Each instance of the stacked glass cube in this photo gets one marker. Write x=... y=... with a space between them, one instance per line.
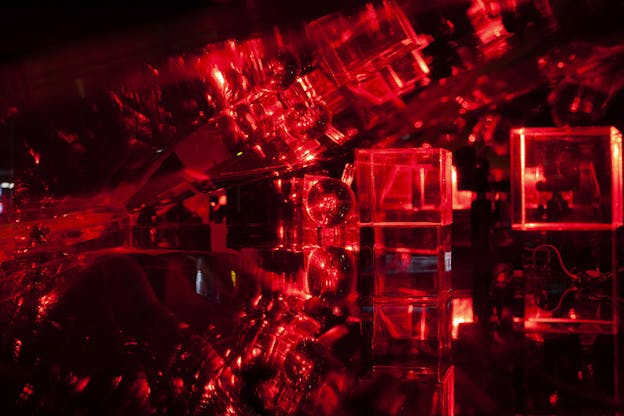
x=405 y=202
x=567 y=211
x=567 y=214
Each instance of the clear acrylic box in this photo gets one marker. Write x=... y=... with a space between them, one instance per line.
x=566 y=178
x=404 y=187
x=567 y=211
x=405 y=201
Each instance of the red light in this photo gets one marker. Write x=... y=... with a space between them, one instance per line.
x=462 y=313
x=36 y=156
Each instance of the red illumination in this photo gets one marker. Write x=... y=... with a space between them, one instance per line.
x=403 y=186
x=462 y=200
x=462 y=313
x=485 y=16
x=404 y=197
x=566 y=178
x=36 y=156
x=375 y=53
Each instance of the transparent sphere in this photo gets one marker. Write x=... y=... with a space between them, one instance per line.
x=329 y=202
x=330 y=271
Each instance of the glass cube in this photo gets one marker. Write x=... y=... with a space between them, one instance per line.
x=412 y=261
x=45 y=230
x=412 y=334
x=404 y=187
x=374 y=51
x=566 y=178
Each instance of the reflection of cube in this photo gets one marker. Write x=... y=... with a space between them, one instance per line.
x=569 y=284
x=413 y=261
x=405 y=186
x=412 y=333
x=566 y=178
x=427 y=396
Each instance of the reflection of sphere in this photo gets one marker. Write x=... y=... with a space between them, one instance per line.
x=330 y=271
x=329 y=202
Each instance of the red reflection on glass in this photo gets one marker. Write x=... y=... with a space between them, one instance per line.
x=375 y=52
x=462 y=313
x=331 y=271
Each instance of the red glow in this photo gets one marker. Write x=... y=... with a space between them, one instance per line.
x=81 y=384
x=218 y=77
x=36 y=156
x=26 y=392
x=462 y=313
x=558 y=165
x=485 y=16
x=461 y=199
x=178 y=385
x=17 y=349
x=44 y=303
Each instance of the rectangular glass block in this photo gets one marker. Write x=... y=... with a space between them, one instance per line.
x=566 y=178
x=412 y=261
x=412 y=333
x=404 y=186
x=374 y=51
x=571 y=281
x=57 y=229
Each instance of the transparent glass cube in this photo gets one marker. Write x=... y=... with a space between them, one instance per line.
x=373 y=51
x=567 y=205
x=566 y=178
x=412 y=333
x=404 y=187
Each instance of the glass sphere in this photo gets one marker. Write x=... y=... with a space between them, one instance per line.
x=329 y=202
x=330 y=271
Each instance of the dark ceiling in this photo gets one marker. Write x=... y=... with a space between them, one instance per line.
x=33 y=27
